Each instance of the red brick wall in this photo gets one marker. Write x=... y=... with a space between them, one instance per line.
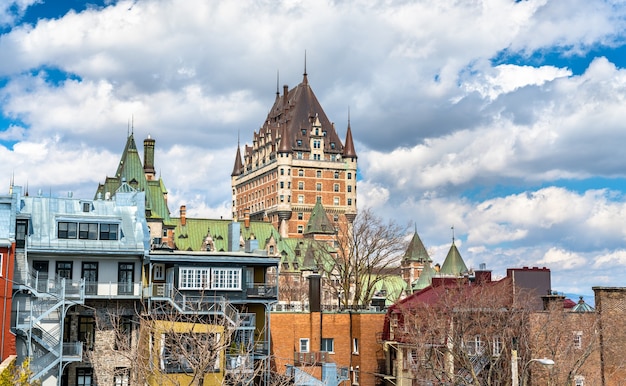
x=343 y=327
x=7 y=339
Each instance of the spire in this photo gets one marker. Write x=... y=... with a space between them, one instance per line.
x=305 y=80
x=416 y=251
x=453 y=264
x=238 y=168
x=277 y=80
x=348 y=149
x=319 y=222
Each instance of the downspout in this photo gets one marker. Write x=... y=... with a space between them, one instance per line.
x=351 y=345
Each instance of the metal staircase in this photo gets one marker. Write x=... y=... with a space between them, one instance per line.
x=40 y=323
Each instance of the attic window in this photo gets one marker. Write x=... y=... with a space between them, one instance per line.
x=285 y=265
x=303 y=131
x=86 y=207
x=324 y=132
x=332 y=145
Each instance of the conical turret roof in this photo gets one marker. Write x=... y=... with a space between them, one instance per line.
x=416 y=251
x=319 y=222
x=348 y=150
x=238 y=168
x=425 y=278
x=453 y=264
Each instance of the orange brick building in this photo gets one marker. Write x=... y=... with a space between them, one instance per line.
x=296 y=160
x=347 y=338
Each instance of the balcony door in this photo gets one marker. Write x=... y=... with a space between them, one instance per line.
x=40 y=269
x=90 y=274
x=125 y=278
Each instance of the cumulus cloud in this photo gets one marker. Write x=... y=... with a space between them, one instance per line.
x=446 y=134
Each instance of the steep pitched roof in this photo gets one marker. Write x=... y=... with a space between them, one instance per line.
x=453 y=264
x=238 y=168
x=319 y=223
x=348 y=150
x=416 y=251
x=131 y=171
x=293 y=112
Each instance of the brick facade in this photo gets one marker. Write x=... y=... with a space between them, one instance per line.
x=343 y=327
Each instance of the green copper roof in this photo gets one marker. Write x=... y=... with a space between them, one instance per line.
x=581 y=306
x=194 y=233
x=454 y=264
x=130 y=170
x=416 y=251
x=425 y=278
x=319 y=222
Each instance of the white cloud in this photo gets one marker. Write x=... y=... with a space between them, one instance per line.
x=562 y=259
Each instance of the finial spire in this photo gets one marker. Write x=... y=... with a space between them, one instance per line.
x=305 y=80
x=452 y=227
x=277 y=80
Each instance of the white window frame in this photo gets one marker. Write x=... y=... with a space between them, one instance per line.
x=226 y=279
x=496 y=349
x=193 y=278
x=304 y=345
x=579 y=380
x=578 y=339
x=355 y=346
x=158 y=272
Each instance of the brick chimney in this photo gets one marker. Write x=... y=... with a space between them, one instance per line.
x=183 y=215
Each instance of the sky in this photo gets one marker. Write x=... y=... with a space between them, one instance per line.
x=499 y=123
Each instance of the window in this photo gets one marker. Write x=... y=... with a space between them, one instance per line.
x=349 y=187
x=349 y=201
x=121 y=377
x=66 y=230
x=125 y=278
x=497 y=346
x=67 y=328
x=336 y=175
x=474 y=346
x=316 y=144
x=578 y=339
x=90 y=274
x=303 y=131
x=355 y=376
x=318 y=187
x=226 y=278
x=355 y=346
x=86 y=331
x=88 y=231
x=180 y=350
x=158 y=271
x=335 y=217
x=1 y=260
x=300 y=229
x=86 y=207
x=282 y=172
x=349 y=176
x=64 y=269
x=299 y=155
x=300 y=185
x=318 y=174
x=300 y=199
x=109 y=231
x=304 y=344
x=300 y=216
x=21 y=227
x=336 y=201
x=301 y=172
x=84 y=376
x=282 y=184
x=336 y=187
x=193 y=278
x=579 y=380
x=124 y=333
x=299 y=142
x=328 y=345
x=282 y=198
x=316 y=157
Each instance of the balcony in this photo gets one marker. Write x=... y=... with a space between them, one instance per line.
x=262 y=291
x=313 y=358
x=112 y=289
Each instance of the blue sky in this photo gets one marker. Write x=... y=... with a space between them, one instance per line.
x=504 y=119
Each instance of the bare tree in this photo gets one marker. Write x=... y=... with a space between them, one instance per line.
x=361 y=256
x=164 y=346
x=463 y=334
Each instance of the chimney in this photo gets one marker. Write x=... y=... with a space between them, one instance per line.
x=234 y=232
x=285 y=91
x=148 y=157
x=315 y=293
x=246 y=218
x=183 y=215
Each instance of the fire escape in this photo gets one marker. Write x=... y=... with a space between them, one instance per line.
x=40 y=320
